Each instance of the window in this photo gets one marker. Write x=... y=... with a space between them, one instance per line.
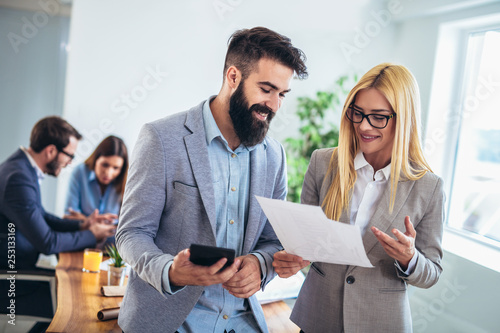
x=474 y=199
x=462 y=135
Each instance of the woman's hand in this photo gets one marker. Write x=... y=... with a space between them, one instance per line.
x=95 y=217
x=74 y=215
x=403 y=247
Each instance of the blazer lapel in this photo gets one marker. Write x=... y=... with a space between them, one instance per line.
x=196 y=147
x=345 y=217
x=381 y=218
x=258 y=172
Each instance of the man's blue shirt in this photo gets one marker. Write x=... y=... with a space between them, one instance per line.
x=217 y=310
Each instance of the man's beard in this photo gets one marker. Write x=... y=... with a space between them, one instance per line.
x=249 y=129
x=53 y=167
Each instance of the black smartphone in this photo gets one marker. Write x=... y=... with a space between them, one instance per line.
x=205 y=255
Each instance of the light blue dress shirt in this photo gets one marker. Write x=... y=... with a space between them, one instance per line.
x=217 y=310
x=84 y=194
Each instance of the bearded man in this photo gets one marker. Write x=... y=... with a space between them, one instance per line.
x=193 y=179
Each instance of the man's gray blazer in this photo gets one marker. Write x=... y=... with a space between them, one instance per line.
x=341 y=298
x=169 y=203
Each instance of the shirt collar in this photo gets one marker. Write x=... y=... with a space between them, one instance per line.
x=212 y=130
x=39 y=173
x=360 y=162
x=386 y=171
x=92 y=175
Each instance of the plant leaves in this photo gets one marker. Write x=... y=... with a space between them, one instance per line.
x=316 y=130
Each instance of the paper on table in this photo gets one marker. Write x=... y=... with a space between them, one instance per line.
x=306 y=231
x=113 y=290
x=46 y=261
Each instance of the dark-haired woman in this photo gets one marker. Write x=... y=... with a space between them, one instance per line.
x=98 y=183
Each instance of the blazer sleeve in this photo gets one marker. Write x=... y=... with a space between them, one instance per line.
x=143 y=204
x=25 y=210
x=310 y=189
x=428 y=242
x=61 y=224
x=74 y=192
x=268 y=243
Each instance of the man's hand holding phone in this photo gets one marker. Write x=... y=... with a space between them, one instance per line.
x=184 y=272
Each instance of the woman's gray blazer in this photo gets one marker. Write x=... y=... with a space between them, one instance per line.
x=341 y=298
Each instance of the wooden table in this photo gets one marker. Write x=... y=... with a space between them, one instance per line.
x=79 y=299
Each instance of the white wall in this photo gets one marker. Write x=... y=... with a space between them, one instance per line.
x=465 y=300
x=32 y=73
x=115 y=44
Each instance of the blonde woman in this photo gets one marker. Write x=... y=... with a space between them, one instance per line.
x=378 y=179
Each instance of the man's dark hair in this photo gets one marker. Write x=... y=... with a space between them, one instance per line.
x=52 y=131
x=248 y=46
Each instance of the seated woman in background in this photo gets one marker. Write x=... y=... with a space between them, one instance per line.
x=99 y=182
x=377 y=178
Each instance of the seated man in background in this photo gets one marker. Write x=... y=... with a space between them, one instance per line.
x=53 y=143
x=26 y=229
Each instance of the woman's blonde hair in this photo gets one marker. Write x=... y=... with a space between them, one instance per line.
x=400 y=89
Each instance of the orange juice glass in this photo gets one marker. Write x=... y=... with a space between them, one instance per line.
x=92 y=260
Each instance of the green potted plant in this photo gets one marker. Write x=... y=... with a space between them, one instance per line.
x=116 y=269
x=317 y=130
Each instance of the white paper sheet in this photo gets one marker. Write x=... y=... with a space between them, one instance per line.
x=306 y=231
x=47 y=261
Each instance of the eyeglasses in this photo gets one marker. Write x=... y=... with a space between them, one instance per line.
x=72 y=157
x=375 y=120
